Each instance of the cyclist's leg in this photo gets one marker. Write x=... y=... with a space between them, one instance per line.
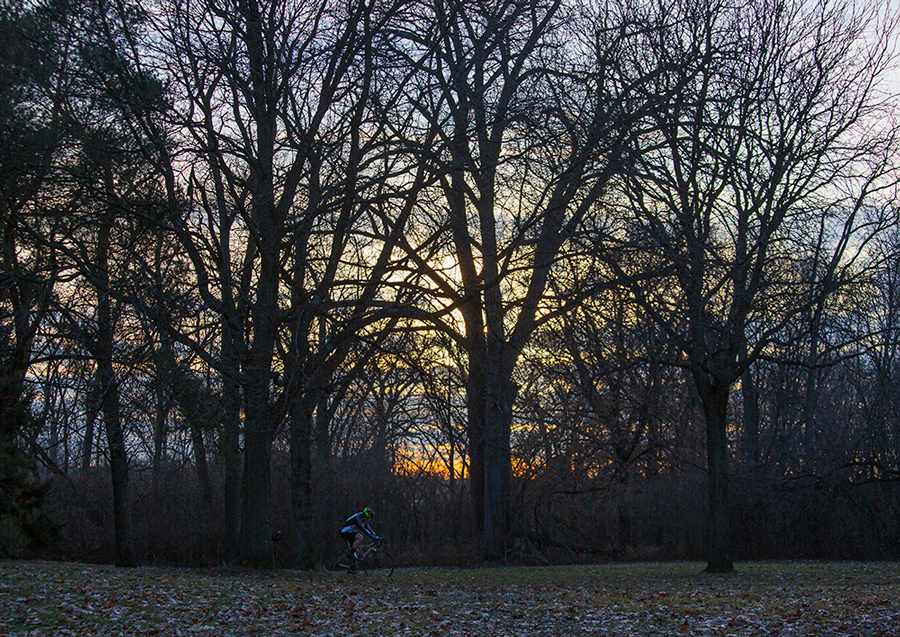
x=348 y=536
x=347 y=560
x=357 y=542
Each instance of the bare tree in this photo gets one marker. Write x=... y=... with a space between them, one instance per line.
x=752 y=194
x=359 y=192
x=283 y=148
x=534 y=122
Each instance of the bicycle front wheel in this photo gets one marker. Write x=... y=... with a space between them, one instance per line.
x=379 y=563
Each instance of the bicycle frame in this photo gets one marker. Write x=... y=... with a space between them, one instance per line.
x=371 y=558
x=368 y=550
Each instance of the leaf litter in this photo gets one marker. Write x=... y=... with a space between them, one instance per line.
x=759 y=599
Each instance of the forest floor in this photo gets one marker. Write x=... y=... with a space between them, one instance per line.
x=764 y=598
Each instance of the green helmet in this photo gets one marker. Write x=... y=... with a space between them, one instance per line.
x=368 y=512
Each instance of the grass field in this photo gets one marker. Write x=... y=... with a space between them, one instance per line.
x=617 y=599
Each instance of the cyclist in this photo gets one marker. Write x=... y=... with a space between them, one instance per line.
x=355 y=527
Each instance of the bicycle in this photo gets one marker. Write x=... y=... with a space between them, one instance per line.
x=372 y=559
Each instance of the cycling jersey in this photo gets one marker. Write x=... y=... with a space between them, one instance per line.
x=357 y=524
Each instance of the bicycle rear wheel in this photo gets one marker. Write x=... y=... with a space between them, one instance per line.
x=379 y=563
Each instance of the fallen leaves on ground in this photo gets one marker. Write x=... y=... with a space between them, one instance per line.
x=781 y=599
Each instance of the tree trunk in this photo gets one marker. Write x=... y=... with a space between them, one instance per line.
x=231 y=441
x=301 y=478
x=256 y=490
x=268 y=220
x=475 y=404
x=91 y=411
x=499 y=397
x=323 y=429
x=255 y=545
x=714 y=396
x=109 y=405
x=109 y=393
x=750 y=399
x=118 y=462
x=810 y=411
x=203 y=477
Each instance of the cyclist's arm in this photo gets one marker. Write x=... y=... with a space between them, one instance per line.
x=368 y=531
